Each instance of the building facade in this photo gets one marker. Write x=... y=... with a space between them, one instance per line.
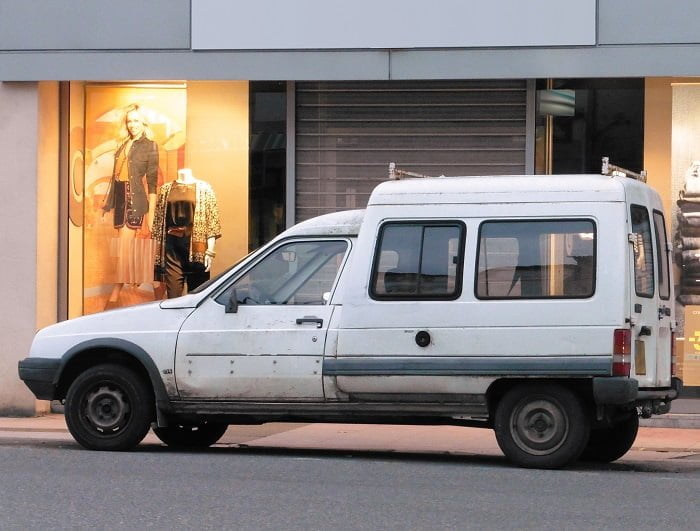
x=293 y=109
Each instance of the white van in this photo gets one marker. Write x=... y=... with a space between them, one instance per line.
x=539 y=306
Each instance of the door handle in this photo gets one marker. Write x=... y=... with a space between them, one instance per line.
x=645 y=331
x=310 y=319
x=664 y=311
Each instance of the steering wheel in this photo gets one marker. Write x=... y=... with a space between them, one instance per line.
x=257 y=296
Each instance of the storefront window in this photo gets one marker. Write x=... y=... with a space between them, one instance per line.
x=603 y=118
x=268 y=152
x=165 y=191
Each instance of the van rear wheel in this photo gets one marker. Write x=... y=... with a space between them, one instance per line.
x=541 y=426
x=191 y=436
x=610 y=443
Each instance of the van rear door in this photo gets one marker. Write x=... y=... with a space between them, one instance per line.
x=650 y=296
x=664 y=345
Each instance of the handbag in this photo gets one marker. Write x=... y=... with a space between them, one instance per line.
x=134 y=220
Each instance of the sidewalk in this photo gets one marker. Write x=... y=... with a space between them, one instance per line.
x=655 y=442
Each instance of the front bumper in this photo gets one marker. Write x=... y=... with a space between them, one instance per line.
x=40 y=375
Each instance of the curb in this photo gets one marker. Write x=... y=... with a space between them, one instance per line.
x=671 y=420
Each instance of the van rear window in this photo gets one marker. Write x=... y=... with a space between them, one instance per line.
x=643 y=253
x=662 y=254
x=536 y=259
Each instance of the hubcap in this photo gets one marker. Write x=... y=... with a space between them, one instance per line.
x=106 y=408
x=539 y=427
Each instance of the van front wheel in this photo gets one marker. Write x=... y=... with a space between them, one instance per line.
x=541 y=426
x=109 y=407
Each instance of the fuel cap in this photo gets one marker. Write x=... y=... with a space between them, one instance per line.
x=422 y=338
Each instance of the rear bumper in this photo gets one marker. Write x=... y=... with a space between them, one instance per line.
x=612 y=391
x=40 y=375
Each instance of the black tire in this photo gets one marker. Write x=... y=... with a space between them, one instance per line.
x=541 y=426
x=109 y=407
x=191 y=436
x=610 y=443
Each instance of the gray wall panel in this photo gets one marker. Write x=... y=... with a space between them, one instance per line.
x=94 y=24
x=361 y=24
x=261 y=66
x=648 y=21
x=601 y=61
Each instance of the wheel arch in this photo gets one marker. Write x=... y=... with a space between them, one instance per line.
x=110 y=350
x=497 y=390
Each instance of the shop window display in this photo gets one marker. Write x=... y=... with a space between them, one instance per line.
x=166 y=167
x=685 y=195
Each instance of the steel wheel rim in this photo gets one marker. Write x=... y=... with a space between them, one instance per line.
x=106 y=408
x=539 y=427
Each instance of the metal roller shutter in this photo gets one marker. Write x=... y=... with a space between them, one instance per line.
x=348 y=132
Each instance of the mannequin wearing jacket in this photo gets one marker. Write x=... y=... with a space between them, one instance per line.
x=131 y=197
x=185 y=229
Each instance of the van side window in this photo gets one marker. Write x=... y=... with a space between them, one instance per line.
x=295 y=273
x=662 y=253
x=536 y=259
x=418 y=261
x=643 y=254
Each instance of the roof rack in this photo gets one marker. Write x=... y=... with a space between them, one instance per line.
x=395 y=174
x=618 y=171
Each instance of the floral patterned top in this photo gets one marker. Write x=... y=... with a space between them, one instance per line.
x=205 y=225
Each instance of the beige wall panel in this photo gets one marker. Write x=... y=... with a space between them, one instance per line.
x=47 y=201
x=19 y=114
x=217 y=152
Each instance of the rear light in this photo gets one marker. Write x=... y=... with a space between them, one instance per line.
x=673 y=353
x=622 y=352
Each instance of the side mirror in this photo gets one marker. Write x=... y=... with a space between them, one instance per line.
x=232 y=303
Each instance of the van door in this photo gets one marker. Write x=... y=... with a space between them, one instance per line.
x=664 y=344
x=263 y=337
x=644 y=298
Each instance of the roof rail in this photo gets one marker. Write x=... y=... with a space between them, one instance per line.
x=618 y=171
x=395 y=174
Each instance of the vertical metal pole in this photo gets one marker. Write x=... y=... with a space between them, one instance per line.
x=63 y=191
x=531 y=102
x=290 y=188
x=549 y=138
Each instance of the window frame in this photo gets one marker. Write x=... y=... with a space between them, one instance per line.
x=423 y=223
x=536 y=220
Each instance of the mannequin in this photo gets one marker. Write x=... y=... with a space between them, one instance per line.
x=185 y=228
x=132 y=197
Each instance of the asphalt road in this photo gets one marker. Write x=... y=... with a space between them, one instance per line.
x=57 y=485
